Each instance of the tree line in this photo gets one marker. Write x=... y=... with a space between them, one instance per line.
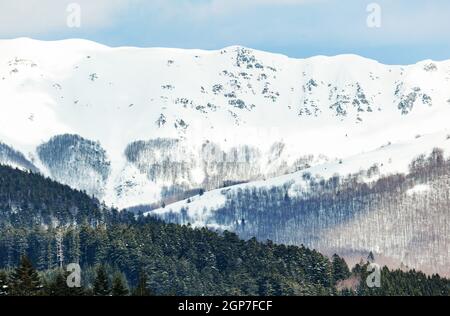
x=44 y=226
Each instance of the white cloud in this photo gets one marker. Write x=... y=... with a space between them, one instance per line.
x=36 y=17
x=30 y=17
x=198 y=9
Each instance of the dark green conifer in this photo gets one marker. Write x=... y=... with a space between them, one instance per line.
x=101 y=283
x=25 y=281
x=118 y=286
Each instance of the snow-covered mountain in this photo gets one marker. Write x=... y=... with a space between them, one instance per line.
x=140 y=125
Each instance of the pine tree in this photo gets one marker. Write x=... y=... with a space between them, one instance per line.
x=266 y=287
x=118 y=286
x=340 y=269
x=25 y=280
x=101 y=283
x=58 y=287
x=142 y=289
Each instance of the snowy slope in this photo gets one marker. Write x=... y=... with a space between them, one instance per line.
x=389 y=159
x=153 y=120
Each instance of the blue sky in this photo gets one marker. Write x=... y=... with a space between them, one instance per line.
x=411 y=30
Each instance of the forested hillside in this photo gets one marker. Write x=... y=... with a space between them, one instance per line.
x=28 y=199
x=121 y=254
x=401 y=216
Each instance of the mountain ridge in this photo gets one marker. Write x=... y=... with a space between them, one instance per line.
x=237 y=46
x=293 y=112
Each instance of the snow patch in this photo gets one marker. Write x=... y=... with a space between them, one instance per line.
x=418 y=189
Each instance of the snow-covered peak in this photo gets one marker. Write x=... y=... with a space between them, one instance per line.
x=196 y=118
